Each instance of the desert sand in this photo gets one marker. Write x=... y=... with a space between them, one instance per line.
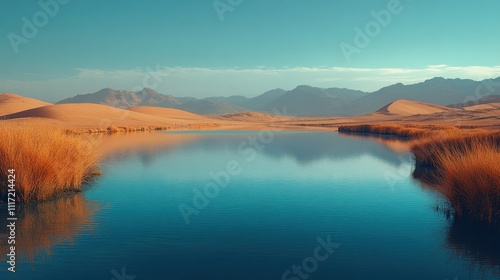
x=409 y=108
x=84 y=117
x=12 y=103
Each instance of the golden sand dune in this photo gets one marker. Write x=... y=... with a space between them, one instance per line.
x=93 y=115
x=12 y=103
x=408 y=108
x=489 y=106
x=166 y=112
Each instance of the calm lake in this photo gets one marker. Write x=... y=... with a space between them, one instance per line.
x=249 y=205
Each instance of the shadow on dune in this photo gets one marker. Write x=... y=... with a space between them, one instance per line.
x=41 y=226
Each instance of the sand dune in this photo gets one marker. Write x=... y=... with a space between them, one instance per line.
x=166 y=113
x=489 y=106
x=408 y=108
x=12 y=103
x=95 y=115
x=92 y=117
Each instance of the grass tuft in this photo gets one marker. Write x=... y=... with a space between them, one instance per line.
x=47 y=161
x=466 y=171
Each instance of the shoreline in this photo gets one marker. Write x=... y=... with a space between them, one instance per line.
x=413 y=135
x=461 y=164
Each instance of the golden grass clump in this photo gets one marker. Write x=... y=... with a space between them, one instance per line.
x=466 y=171
x=47 y=160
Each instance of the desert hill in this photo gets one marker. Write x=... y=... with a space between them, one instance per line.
x=93 y=115
x=166 y=112
x=148 y=97
x=408 y=108
x=12 y=103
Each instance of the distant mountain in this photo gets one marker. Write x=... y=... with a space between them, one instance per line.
x=147 y=97
x=304 y=100
x=125 y=99
x=438 y=91
x=237 y=100
x=255 y=103
x=258 y=103
x=205 y=107
x=313 y=101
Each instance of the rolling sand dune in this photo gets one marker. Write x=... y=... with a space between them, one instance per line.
x=489 y=106
x=166 y=113
x=408 y=108
x=12 y=103
x=97 y=117
x=93 y=115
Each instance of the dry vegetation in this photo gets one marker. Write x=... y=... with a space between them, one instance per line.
x=464 y=164
x=467 y=172
x=47 y=160
x=125 y=129
x=406 y=131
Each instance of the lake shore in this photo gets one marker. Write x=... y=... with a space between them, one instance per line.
x=460 y=163
x=425 y=134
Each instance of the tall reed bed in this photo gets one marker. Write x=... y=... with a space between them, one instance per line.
x=46 y=160
x=466 y=170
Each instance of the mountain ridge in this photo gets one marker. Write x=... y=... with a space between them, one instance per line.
x=304 y=100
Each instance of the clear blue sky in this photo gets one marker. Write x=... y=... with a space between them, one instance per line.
x=259 y=45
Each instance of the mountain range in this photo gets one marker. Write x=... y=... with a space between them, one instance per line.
x=306 y=100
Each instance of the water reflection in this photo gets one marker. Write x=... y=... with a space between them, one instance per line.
x=478 y=243
x=147 y=145
x=41 y=226
x=304 y=147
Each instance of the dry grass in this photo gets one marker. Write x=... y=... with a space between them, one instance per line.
x=467 y=172
x=47 y=160
x=126 y=129
x=406 y=131
x=464 y=164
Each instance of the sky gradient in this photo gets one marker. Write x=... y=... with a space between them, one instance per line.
x=188 y=48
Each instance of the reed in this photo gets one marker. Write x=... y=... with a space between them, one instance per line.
x=46 y=160
x=466 y=170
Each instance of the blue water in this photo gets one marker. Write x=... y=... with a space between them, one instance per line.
x=287 y=205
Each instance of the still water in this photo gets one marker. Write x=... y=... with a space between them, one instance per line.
x=249 y=205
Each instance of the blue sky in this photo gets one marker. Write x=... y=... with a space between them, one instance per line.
x=186 y=47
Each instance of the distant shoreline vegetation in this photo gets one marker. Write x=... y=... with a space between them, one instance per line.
x=462 y=164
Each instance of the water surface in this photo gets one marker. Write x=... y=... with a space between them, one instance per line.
x=287 y=193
